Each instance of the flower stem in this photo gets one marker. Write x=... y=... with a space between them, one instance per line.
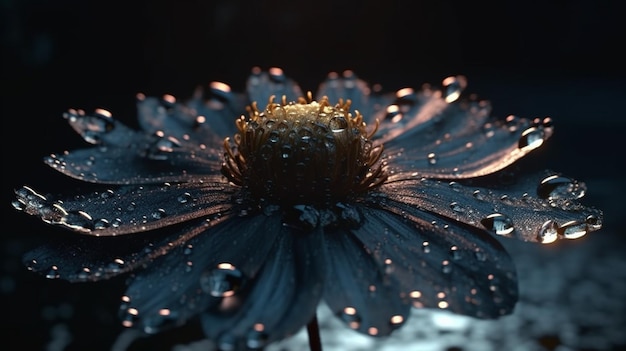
x=313 y=330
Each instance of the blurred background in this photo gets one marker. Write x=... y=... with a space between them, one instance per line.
x=563 y=59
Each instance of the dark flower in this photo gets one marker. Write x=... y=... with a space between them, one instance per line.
x=371 y=202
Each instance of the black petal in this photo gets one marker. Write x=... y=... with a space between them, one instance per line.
x=440 y=263
x=427 y=135
x=358 y=290
x=523 y=209
x=161 y=160
x=203 y=272
x=83 y=258
x=279 y=301
x=261 y=85
x=127 y=209
x=207 y=117
x=349 y=87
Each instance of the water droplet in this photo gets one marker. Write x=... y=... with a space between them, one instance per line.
x=426 y=247
x=277 y=75
x=91 y=128
x=396 y=321
x=548 y=232
x=432 y=158
x=351 y=317
x=531 y=138
x=163 y=319
x=223 y=281
x=478 y=195
x=393 y=114
x=455 y=253
x=453 y=87
x=558 y=187
x=456 y=207
x=338 y=124
x=499 y=223
x=78 y=220
x=53 y=273
x=257 y=337
x=446 y=268
x=480 y=255
x=162 y=147
x=574 y=229
x=184 y=198
x=159 y=214
x=101 y=223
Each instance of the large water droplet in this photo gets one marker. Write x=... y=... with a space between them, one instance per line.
x=558 y=187
x=92 y=127
x=531 y=138
x=574 y=229
x=453 y=87
x=499 y=223
x=223 y=281
x=338 y=124
x=548 y=232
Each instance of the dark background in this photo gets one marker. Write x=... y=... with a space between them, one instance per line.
x=562 y=59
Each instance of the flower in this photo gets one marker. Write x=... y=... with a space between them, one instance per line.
x=371 y=202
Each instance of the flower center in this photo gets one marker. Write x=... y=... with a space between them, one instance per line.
x=303 y=152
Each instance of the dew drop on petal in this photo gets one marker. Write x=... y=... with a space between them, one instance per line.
x=446 y=268
x=257 y=338
x=351 y=317
x=455 y=253
x=548 y=232
x=574 y=229
x=223 y=281
x=432 y=158
x=559 y=187
x=531 y=138
x=159 y=214
x=478 y=195
x=163 y=319
x=91 y=127
x=184 y=198
x=53 y=273
x=102 y=223
x=456 y=207
x=453 y=87
x=499 y=223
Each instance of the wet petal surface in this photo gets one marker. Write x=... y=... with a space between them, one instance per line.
x=541 y=207
x=440 y=263
x=128 y=209
x=207 y=270
x=278 y=302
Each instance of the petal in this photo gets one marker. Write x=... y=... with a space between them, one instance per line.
x=99 y=128
x=207 y=117
x=349 y=87
x=261 y=85
x=203 y=272
x=424 y=133
x=82 y=258
x=279 y=301
x=162 y=160
x=358 y=290
x=127 y=209
x=541 y=207
x=440 y=263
